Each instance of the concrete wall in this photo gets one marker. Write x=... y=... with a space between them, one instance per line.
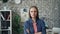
x=48 y=9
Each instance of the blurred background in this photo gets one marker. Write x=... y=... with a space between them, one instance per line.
x=49 y=11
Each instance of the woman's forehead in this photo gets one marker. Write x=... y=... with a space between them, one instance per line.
x=33 y=9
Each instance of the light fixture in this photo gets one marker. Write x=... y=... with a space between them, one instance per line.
x=17 y=1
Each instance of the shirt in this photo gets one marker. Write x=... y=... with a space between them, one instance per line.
x=35 y=27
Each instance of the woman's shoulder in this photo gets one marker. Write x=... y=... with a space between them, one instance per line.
x=41 y=21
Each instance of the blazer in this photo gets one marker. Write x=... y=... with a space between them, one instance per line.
x=40 y=26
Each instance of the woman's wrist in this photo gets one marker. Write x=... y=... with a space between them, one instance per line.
x=38 y=33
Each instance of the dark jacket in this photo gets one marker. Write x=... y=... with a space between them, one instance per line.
x=40 y=26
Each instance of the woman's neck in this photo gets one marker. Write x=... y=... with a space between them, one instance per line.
x=34 y=20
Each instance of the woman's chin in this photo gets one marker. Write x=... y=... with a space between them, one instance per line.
x=33 y=17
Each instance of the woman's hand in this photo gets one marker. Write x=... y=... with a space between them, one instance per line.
x=38 y=33
x=27 y=30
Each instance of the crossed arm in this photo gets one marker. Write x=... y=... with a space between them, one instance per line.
x=34 y=33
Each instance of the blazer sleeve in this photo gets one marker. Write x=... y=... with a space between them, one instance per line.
x=26 y=26
x=43 y=27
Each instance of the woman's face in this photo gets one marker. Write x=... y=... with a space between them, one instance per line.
x=33 y=12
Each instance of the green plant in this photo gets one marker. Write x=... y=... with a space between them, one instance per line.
x=15 y=23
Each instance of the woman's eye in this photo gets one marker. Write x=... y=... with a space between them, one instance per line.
x=31 y=11
x=35 y=11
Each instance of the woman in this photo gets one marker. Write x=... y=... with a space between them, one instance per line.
x=34 y=25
